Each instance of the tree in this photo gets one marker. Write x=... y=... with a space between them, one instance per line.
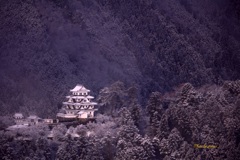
x=187 y=95
x=155 y=111
x=43 y=150
x=59 y=131
x=112 y=98
x=125 y=117
x=136 y=111
x=108 y=148
x=6 y=150
x=94 y=148
x=131 y=145
x=65 y=150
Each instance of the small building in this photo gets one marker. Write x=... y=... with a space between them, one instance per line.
x=78 y=105
x=48 y=121
x=33 y=120
x=51 y=122
x=19 y=118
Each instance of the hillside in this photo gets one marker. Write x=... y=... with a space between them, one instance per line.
x=47 y=47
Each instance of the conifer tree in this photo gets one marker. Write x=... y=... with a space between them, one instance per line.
x=136 y=111
x=94 y=149
x=112 y=98
x=108 y=147
x=155 y=111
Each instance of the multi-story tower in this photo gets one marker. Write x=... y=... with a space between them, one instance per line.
x=78 y=105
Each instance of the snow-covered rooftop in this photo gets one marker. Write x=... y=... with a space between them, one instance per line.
x=33 y=117
x=82 y=103
x=66 y=115
x=81 y=112
x=20 y=115
x=80 y=97
x=90 y=97
x=79 y=88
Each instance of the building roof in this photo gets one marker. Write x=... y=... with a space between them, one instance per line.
x=33 y=117
x=18 y=115
x=66 y=115
x=80 y=97
x=82 y=103
x=90 y=97
x=79 y=88
x=80 y=112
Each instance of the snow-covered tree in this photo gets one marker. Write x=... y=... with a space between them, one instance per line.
x=112 y=98
x=136 y=114
x=43 y=150
x=125 y=117
x=93 y=149
x=108 y=149
x=155 y=111
x=59 y=131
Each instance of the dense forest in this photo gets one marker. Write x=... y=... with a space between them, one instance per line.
x=165 y=74
x=167 y=128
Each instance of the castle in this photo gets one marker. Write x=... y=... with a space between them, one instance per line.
x=78 y=106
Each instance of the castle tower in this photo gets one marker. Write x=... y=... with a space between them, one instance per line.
x=79 y=105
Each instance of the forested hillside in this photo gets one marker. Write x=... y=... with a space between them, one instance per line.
x=168 y=129
x=165 y=74
x=47 y=47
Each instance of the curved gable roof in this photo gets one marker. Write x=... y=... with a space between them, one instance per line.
x=78 y=88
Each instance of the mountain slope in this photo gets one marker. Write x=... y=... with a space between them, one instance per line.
x=49 y=46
